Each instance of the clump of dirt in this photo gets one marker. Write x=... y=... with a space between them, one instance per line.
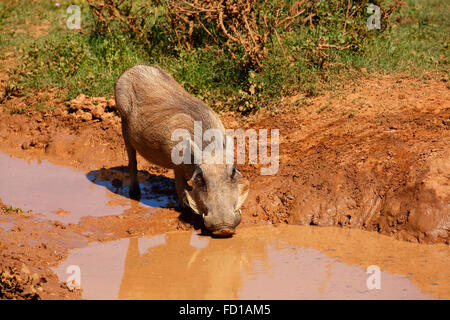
x=20 y=282
x=25 y=260
x=15 y=284
x=86 y=108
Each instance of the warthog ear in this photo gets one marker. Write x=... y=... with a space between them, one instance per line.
x=244 y=187
x=190 y=202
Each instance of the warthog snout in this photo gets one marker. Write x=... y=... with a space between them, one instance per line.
x=223 y=230
x=217 y=192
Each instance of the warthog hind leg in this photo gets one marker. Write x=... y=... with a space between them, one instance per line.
x=135 y=190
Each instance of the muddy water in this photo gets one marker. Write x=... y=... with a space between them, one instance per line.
x=267 y=262
x=65 y=194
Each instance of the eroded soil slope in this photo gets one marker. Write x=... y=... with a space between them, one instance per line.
x=375 y=156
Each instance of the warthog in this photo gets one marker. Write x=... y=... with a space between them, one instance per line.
x=152 y=105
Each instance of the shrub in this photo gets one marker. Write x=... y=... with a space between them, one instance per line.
x=235 y=54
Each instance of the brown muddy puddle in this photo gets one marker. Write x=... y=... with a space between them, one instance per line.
x=65 y=194
x=266 y=262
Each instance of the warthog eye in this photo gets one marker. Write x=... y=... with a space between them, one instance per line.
x=198 y=178
x=234 y=171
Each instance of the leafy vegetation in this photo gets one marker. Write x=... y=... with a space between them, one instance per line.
x=12 y=210
x=235 y=54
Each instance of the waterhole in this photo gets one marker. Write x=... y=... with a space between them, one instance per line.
x=285 y=262
x=263 y=262
x=67 y=195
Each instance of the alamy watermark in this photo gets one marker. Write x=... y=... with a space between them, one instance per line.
x=74 y=20
x=221 y=148
x=374 y=21
x=74 y=279
x=374 y=280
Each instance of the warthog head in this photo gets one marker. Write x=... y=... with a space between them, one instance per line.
x=217 y=191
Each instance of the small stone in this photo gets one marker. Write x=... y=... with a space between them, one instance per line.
x=111 y=103
x=35 y=277
x=131 y=231
x=86 y=116
x=25 y=269
x=107 y=115
x=25 y=145
x=97 y=112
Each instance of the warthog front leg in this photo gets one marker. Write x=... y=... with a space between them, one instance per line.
x=180 y=187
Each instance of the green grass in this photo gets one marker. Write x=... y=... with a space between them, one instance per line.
x=415 y=42
x=418 y=41
x=12 y=210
